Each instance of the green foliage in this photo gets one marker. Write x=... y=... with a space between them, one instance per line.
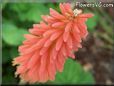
x=5 y=55
x=92 y=22
x=13 y=52
x=73 y=73
x=13 y=35
x=9 y=53
x=8 y=75
x=30 y=11
x=35 y=13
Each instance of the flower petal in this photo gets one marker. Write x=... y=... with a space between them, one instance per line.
x=86 y=15
x=59 y=43
x=55 y=14
x=65 y=36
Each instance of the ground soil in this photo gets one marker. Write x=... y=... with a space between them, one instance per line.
x=96 y=59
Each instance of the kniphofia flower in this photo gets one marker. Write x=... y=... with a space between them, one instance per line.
x=50 y=43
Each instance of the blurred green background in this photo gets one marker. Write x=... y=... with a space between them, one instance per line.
x=17 y=18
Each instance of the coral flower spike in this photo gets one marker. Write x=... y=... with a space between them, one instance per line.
x=50 y=43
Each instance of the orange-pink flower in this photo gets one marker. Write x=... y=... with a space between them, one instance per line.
x=50 y=43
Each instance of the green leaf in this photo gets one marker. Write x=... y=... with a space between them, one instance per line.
x=9 y=53
x=13 y=52
x=73 y=73
x=54 y=6
x=5 y=55
x=8 y=79
x=34 y=12
x=13 y=35
x=92 y=22
x=8 y=75
x=19 y=7
x=31 y=11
